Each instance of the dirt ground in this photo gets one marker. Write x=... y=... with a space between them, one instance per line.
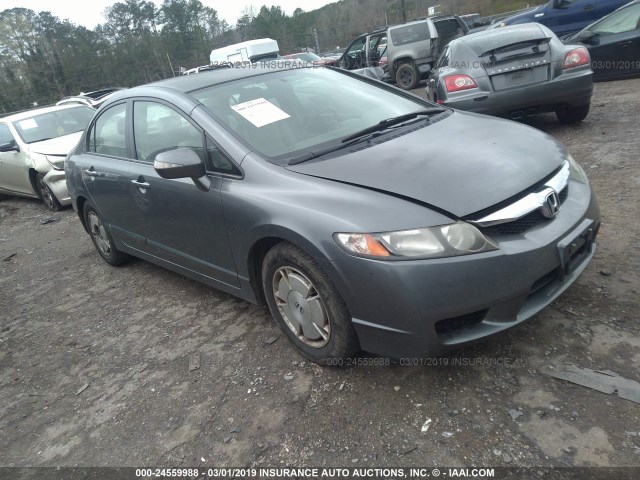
x=99 y=365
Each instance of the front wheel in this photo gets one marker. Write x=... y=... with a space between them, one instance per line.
x=101 y=238
x=46 y=195
x=306 y=305
x=407 y=76
x=568 y=114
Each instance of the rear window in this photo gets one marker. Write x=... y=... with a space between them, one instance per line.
x=416 y=32
x=502 y=37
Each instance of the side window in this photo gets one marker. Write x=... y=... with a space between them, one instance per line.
x=158 y=128
x=217 y=160
x=443 y=61
x=623 y=21
x=107 y=134
x=5 y=134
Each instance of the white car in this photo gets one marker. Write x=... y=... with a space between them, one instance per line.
x=33 y=147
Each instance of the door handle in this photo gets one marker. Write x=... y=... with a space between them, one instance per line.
x=588 y=7
x=140 y=184
x=625 y=44
x=91 y=172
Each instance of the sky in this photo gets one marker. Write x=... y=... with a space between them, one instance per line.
x=89 y=13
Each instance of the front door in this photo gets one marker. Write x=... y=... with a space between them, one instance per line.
x=615 y=45
x=14 y=172
x=181 y=224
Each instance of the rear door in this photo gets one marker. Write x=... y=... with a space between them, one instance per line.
x=179 y=223
x=104 y=169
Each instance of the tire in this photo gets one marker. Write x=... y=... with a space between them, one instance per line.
x=407 y=76
x=318 y=324
x=101 y=238
x=46 y=195
x=572 y=114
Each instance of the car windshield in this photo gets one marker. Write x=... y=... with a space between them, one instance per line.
x=289 y=113
x=53 y=124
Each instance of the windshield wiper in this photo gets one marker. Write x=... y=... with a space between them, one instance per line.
x=318 y=153
x=366 y=133
x=390 y=122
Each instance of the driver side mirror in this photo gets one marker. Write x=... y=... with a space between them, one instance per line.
x=10 y=146
x=586 y=36
x=182 y=163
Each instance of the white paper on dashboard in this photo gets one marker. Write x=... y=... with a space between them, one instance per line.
x=28 y=124
x=260 y=112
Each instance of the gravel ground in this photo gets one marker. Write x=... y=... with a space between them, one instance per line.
x=103 y=366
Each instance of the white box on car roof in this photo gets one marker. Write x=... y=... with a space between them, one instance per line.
x=245 y=51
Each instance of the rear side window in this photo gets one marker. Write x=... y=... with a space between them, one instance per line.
x=158 y=128
x=107 y=135
x=5 y=134
x=443 y=61
x=415 y=32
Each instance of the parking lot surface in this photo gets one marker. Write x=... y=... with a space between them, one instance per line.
x=103 y=366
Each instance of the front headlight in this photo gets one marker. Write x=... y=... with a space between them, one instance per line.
x=575 y=171
x=56 y=162
x=451 y=240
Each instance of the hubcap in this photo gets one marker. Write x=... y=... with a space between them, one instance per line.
x=301 y=307
x=99 y=234
x=45 y=193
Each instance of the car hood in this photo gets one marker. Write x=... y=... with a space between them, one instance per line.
x=462 y=164
x=57 y=146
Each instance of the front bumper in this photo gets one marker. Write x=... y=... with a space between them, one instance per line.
x=569 y=89
x=57 y=182
x=417 y=308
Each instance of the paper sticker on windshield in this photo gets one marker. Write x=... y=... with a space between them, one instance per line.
x=28 y=124
x=260 y=112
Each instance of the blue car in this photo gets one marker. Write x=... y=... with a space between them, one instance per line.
x=565 y=16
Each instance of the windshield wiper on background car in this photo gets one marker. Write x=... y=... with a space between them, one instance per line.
x=365 y=133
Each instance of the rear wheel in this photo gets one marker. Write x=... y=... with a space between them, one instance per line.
x=568 y=114
x=46 y=195
x=101 y=238
x=407 y=76
x=306 y=305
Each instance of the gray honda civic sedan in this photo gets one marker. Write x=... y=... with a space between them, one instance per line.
x=364 y=217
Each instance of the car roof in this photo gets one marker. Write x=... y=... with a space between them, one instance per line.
x=190 y=83
x=38 y=111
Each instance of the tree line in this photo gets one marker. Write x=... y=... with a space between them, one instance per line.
x=44 y=58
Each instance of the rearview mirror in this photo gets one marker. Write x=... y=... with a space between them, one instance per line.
x=182 y=163
x=10 y=146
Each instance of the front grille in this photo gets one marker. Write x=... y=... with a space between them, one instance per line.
x=455 y=324
x=526 y=223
